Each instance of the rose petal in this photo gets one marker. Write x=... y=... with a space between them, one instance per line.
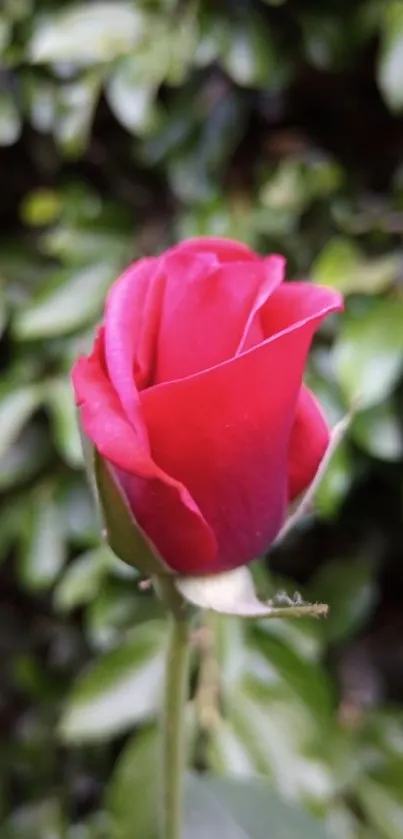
x=103 y=419
x=208 y=309
x=295 y=301
x=226 y=250
x=309 y=440
x=162 y=506
x=274 y=269
x=131 y=320
x=225 y=435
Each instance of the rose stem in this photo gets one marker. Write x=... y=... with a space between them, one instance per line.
x=173 y=726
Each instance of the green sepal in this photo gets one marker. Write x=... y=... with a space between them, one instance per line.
x=119 y=527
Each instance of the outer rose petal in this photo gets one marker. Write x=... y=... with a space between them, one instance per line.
x=226 y=250
x=179 y=529
x=207 y=309
x=308 y=443
x=225 y=434
x=131 y=322
x=292 y=302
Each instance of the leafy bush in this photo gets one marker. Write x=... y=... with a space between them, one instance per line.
x=124 y=126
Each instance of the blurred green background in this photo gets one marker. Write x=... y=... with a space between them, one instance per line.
x=124 y=126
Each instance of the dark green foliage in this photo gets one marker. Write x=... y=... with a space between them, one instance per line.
x=125 y=125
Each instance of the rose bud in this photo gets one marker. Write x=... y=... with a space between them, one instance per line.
x=193 y=400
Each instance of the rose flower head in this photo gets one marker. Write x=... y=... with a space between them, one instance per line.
x=193 y=396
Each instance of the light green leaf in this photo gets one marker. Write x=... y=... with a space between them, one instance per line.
x=382 y=803
x=368 y=354
x=390 y=66
x=60 y=403
x=285 y=190
x=10 y=120
x=130 y=98
x=73 y=298
x=228 y=754
x=132 y=795
x=120 y=690
x=234 y=809
x=248 y=53
x=87 y=33
x=16 y=408
x=25 y=457
x=40 y=207
x=349 y=589
x=75 y=107
x=116 y=607
x=78 y=512
x=3 y=311
x=278 y=711
x=5 y=31
x=41 y=96
x=342 y=265
x=43 y=547
x=41 y=819
x=12 y=521
x=378 y=431
x=335 y=484
x=229 y=808
x=82 y=579
x=280 y=734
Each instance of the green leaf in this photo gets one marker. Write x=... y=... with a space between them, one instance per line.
x=368 y=353
x=63 y=415
x=117 y=607
x=40 y=207
x=3 y=311
x=247 y=809
x=283 y=736
x=278 y=709
x=10 y=120
x=12 y=522
x=41 y=819
x=16 y=407
x=248 y=53
x=350 y=590
x=82 y=580
x=130 y=98
x=390 y=66
x=77 y=507
x=342 y=265
x=5 y=32
x=25 y=457
x=378 y=432
x=229 y=808
x=335 y=484
x=120 y=690
x=227 y=752
x=132 y=795
x=85 y=34
x=382 y=802
x=43 y=547
x=75 y=105
x=71 y=299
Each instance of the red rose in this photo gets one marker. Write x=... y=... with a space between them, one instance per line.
x=193 y=392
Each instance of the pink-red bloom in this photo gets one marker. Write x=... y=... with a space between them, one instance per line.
x=193 y=392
